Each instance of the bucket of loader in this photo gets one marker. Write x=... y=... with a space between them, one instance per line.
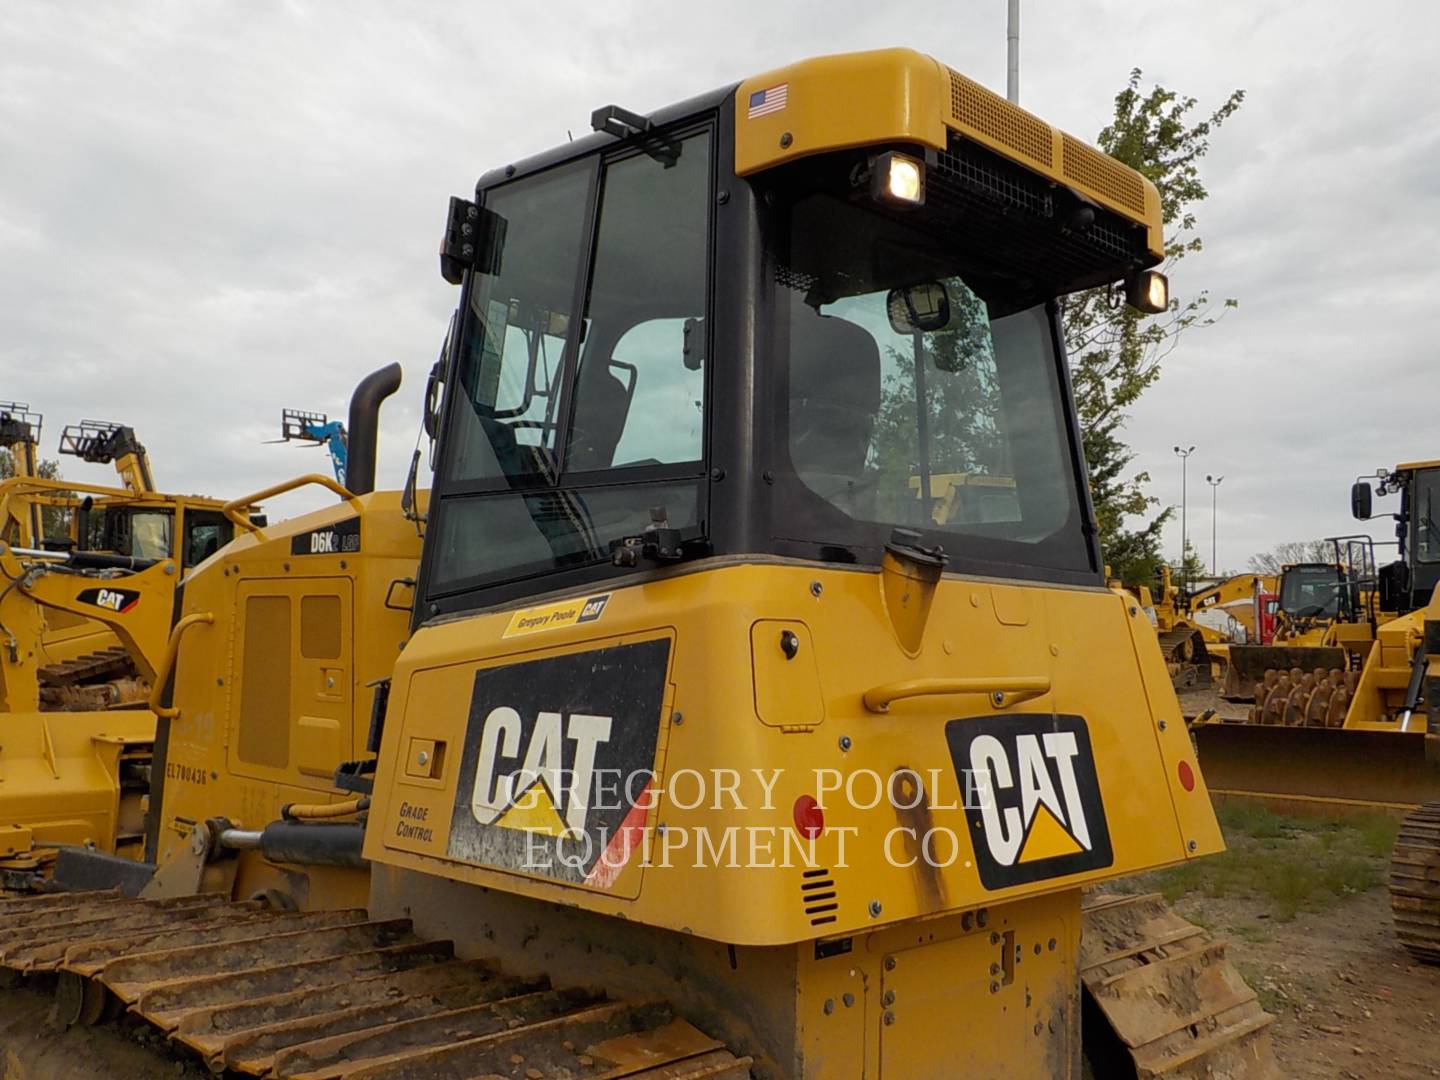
x=1248 y=663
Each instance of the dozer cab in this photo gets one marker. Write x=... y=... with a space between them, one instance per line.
x=731 y=742
x=1352 y=733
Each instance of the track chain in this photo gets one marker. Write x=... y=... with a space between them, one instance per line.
x=334 y=994
x=1168 y=992
x=1415 y=883
x=108 y=663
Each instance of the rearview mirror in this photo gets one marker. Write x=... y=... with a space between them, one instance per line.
x=1360 y=500
x=918 y=309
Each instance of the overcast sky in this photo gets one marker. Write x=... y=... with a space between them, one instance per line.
x=209 y=211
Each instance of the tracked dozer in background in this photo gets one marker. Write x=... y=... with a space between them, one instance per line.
x=1183 y=640
x=85 y=618
x=805 y=275
x=1345 y=736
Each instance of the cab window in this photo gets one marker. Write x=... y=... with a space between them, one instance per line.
x=575 y=428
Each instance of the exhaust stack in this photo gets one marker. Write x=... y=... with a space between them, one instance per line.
x=365 y=426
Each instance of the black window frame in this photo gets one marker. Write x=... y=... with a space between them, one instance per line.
x=865 y=544
x=482 y=589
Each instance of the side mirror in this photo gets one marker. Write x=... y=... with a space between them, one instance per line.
x=1360 y=500
x=919 y=308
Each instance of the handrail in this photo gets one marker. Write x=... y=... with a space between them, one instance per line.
x=167 y=664
x=232 y=508
x=1001 y=691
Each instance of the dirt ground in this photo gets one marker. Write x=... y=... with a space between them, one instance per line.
x=32 y=1048
x=1348 y=1001
x=1194 y=702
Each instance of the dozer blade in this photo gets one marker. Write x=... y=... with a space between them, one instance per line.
x=1317 y=770
x=329 y=994
x=1248 y=664
x=1165 y=997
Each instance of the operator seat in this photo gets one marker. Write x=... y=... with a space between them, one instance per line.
x=601 y=406
x=834 y=400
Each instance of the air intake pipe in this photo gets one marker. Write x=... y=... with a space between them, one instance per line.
x=364 y=427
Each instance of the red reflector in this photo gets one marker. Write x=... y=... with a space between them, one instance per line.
x=1187 y=776
x=809 y=818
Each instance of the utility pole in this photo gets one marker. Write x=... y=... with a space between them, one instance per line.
x=1184 y=456
x=1012 y=41
x=1214 y=482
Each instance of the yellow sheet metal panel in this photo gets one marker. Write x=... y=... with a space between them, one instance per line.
x=320 y=627
x=1189 y=797
x=1085 y=783
x=263 y=737
x=326 y=709
x=901 y=96
x=833 y=102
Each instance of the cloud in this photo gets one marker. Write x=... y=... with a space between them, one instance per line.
x=210 y=211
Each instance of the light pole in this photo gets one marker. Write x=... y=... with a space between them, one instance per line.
x=1012 y=43
x=1184 y=456
x=1214 y=482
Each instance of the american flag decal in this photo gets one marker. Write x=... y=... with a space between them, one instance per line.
x=765 y=102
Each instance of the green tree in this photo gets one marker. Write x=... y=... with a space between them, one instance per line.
x=1115 y=351
x=1190 y=570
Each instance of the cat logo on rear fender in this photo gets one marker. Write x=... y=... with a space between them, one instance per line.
x=1032 y=799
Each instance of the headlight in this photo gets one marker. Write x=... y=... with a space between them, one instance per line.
x=897 y=178
x=1148 y=291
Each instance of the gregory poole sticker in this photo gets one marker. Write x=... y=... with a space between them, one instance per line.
x=1032 y=799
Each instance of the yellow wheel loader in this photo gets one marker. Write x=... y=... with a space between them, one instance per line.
x=1345 y=736
x=701 y=733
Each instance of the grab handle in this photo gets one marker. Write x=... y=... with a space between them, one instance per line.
x=1001 y=692
x=232 y=508
x=167 y=664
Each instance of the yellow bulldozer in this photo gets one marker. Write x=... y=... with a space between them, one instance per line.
x=85 y=612
x=685 y=729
